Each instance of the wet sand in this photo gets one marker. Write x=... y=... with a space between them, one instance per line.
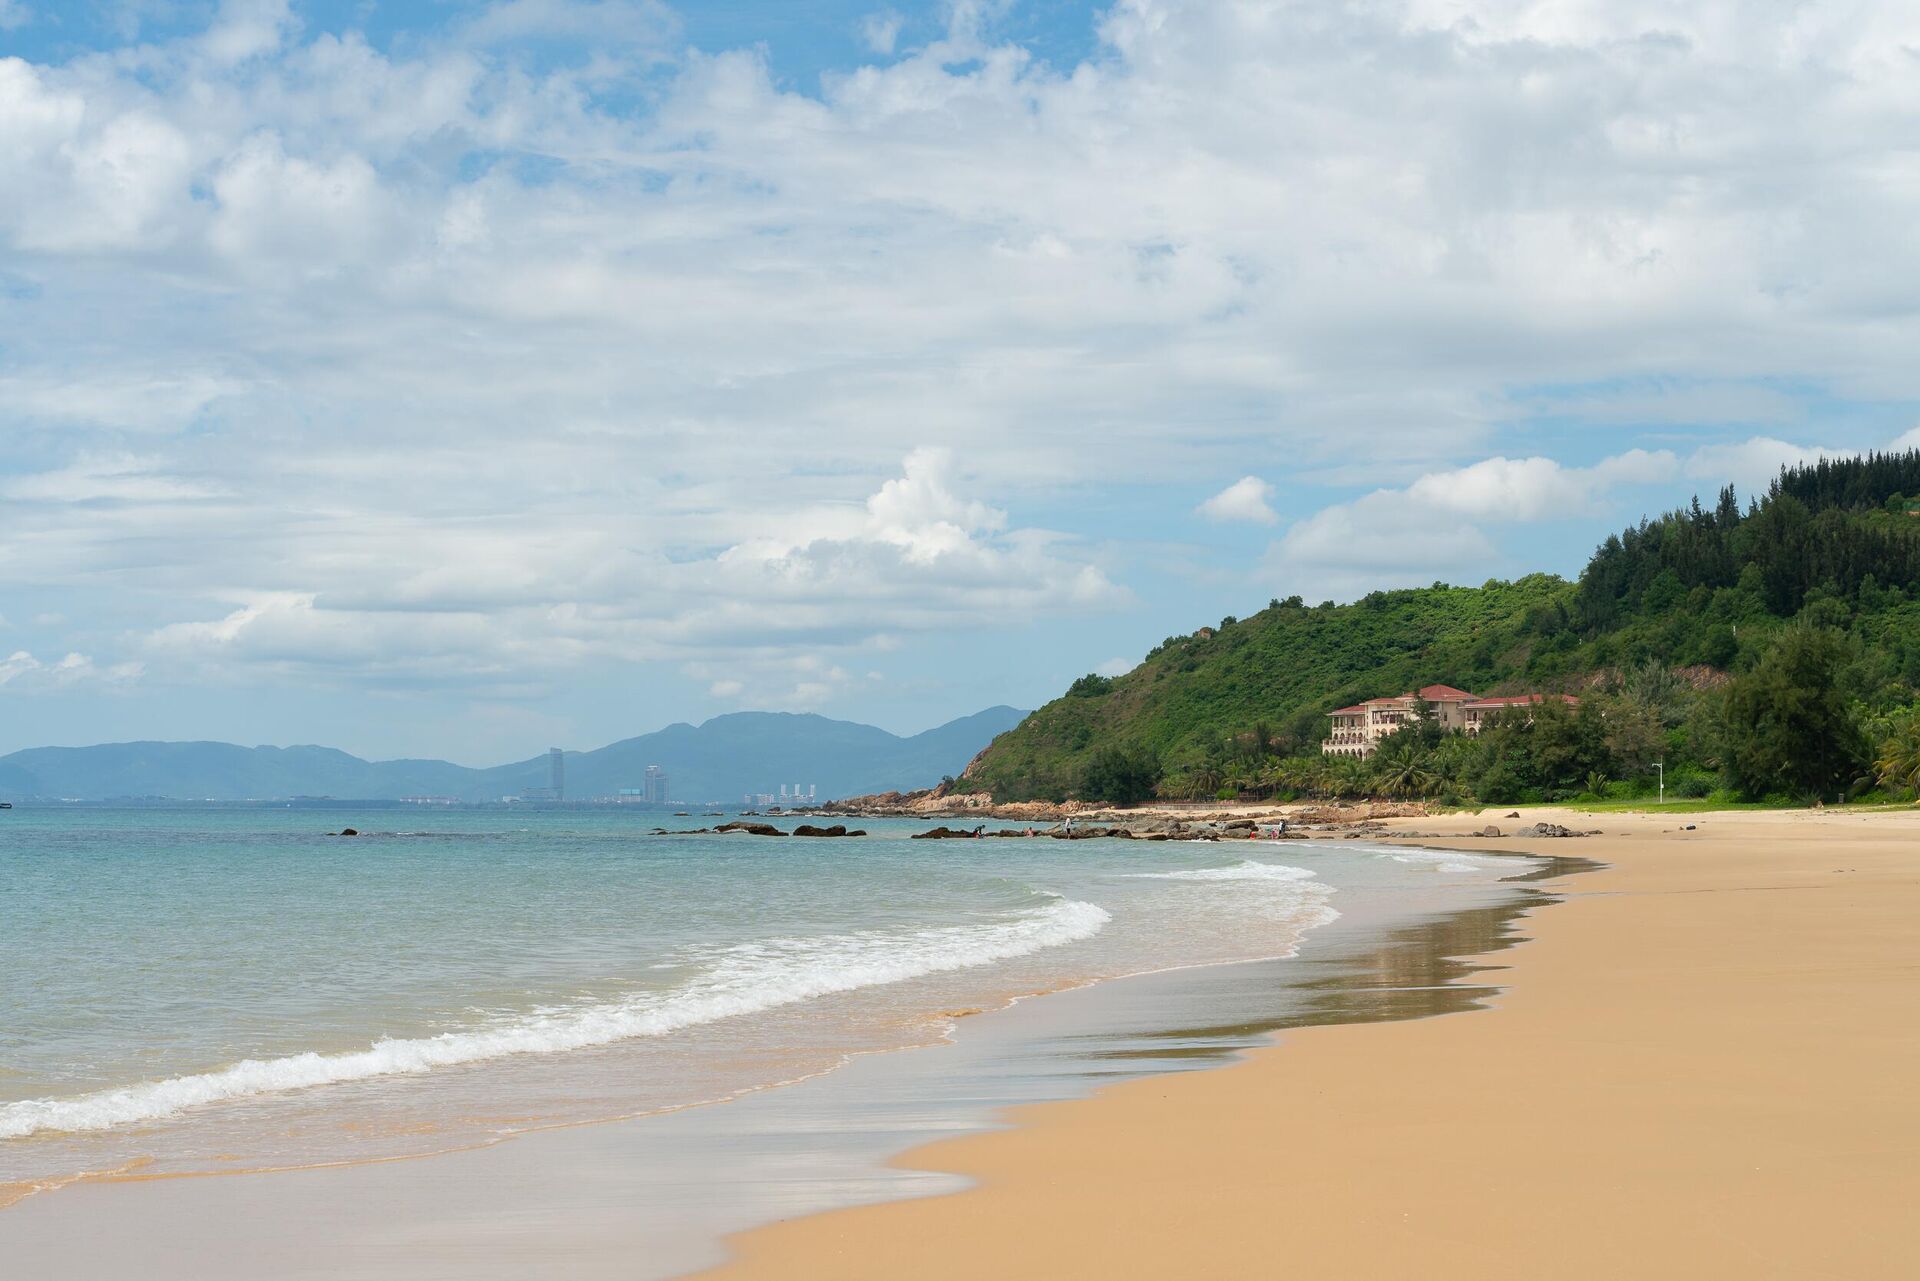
x=651 y=1198
x=1703 y=1065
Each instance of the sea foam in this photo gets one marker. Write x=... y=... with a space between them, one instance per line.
x=1444 y=861
x=1247 y=870
x=741 y=979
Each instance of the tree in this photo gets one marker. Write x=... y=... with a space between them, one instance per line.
x=1401 y=768
x=1788 y=725
x=1121 y=776
x=1898 y=761
x=1634 y=734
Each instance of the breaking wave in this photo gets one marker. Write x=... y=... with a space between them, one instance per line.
x=741 y=979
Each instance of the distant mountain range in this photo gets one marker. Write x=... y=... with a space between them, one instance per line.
x=722 y=760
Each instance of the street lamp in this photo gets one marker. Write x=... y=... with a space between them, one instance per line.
x=1662 y=767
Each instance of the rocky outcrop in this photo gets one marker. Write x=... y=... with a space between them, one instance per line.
x=838 y=829
x=751 y=829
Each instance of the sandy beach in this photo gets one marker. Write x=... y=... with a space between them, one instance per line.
x=1702 y=1065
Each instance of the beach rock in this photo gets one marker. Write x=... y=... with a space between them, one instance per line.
x=1547 y=829
x=942 y=834
x=808 y=829
x=348 y=831
x=1513 y=813
x=751 y=829
x=1490 y=830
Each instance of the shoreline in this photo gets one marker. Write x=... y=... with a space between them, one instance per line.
x=1700 y=1066
x=1400 y=964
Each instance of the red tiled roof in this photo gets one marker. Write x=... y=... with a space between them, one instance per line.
x=1343 y=711
x=1514 y=700
x=1443 y=694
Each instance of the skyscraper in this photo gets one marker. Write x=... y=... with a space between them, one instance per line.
x=558 y=760
x=656 y=785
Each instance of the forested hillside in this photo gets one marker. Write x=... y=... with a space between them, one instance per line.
x=1770 y=650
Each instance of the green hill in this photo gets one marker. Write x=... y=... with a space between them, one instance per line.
x=1667 y=621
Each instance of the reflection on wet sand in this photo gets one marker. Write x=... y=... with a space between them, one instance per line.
x=1415 y=971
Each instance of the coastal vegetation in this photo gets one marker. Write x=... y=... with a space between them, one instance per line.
x=1770 y=651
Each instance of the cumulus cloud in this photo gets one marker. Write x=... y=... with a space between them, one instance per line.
x=408 y=602
x=1750 y=465
x=1525 y=489
x=1244 y=500
x=452 y=362
x=246 y=29
x=1433 y=527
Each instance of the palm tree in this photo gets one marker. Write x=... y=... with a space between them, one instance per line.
x=1204 y=781
x=1898 y=763
x=1292 y=776
x=1404 y=774
x=1348 y=778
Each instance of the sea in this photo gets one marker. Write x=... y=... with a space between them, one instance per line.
x=219 y=990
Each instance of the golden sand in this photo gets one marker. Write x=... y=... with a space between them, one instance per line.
x=1706 y=1064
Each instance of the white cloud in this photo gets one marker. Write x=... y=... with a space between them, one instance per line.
x=1528 y=489
x=1379 y=535
x=1244 y=500
x=880 y=31
x=22 y=671
x=1116 y=667
x=13 y=14
x=452 y=363
x=248 y=29
x=532 y=596
x=1432 y=528
x=95 y=477
x=1751 y=465
x=605 y=22
x=1908 y=439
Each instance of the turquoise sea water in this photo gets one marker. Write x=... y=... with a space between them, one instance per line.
x=229 y=989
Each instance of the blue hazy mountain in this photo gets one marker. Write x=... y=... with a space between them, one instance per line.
x=722 y=759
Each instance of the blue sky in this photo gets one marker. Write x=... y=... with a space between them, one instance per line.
x=463 y=378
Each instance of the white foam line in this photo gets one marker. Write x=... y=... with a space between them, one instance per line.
x=744 y=979
x=1247 y=870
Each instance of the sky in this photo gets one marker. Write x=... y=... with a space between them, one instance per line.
x=463 y=379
